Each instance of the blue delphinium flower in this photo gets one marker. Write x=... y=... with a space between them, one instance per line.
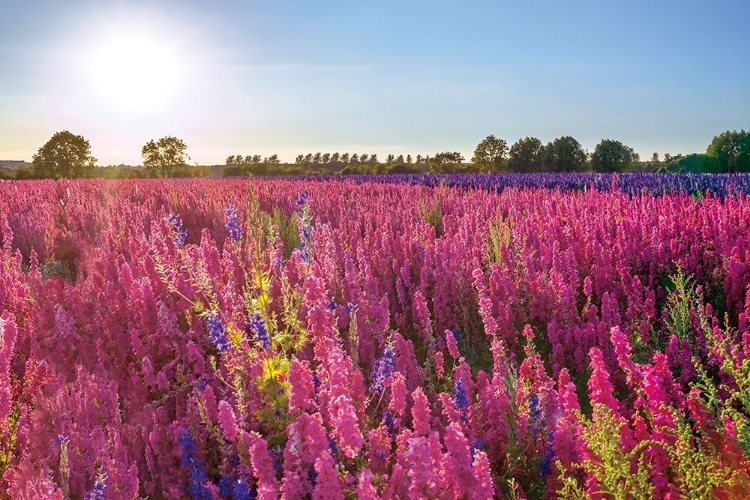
x=198 y=476
x=277 y=453
x=334 y=449
x=258 y=327
x=350 y=307
x=388 y=420
x=456 y=335
x=216 y=331
x=180 y=233
x=303 y=197
x=460 y=395
x=382 y=370
x=233 y=223
x=534 y=406
x=100 y=489
x=305 y=229
x=331 y=305
x=476 y=446
x=545 y=468
x=242 y=491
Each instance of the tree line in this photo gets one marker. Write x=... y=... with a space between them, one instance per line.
x=67 y=155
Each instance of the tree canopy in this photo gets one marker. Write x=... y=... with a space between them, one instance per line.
x=525 y=155
x=161 y=157
x=65 y=155
x=564 y=154
x=489 y=155
x=446 y=162
x=612 y=156
x=732 y=149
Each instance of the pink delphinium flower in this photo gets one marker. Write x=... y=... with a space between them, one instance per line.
x=457 y=462
x=450 y=342
x=398 y=394
x=421 y=414
x=365 y=489
x=599 y=385
x=227 y=421
x=346 y=427
x=263 y=467
x=327 y=484
x=301 y=386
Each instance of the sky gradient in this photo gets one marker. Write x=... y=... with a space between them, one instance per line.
x=401 y=77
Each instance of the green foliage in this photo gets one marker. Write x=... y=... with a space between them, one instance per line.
x=402 y=168
x=679 y=305
x=446 y=162
x=65 y=155
x=489 y=155
x=287 y=231
x=433 y=214
x=55 y=268
x=499 y=239
x=619 y=475
x=732 y=149
x=526 y=155
x=612 y=156
x=564 y=154
x=696 y=164
x=162 y=157
x=697 y=465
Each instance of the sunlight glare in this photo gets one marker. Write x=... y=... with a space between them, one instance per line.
x=135 y=72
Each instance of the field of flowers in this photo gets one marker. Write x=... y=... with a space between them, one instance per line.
x=235 y=339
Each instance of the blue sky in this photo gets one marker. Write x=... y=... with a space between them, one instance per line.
x=373 y=77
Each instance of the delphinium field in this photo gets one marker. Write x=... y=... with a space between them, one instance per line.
x=234 y=339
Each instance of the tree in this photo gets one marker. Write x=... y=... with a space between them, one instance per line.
x=655 y=158
x=390 y=159
x=317 y=158
x=161 y=157
x=326 y=158
x=525 y=155
x=564 y=154
x=732 y=149
x=65 y=155
x=345 y=158
x=255 y=159
x=446 y=162
x=612 y=156
x=299 y=160
x=408 y=160
x=355 y=159
x=364 y=158
x=230 y=160
x=272 y=160
x=489 y=155
x=335 y=157
x=373 y=159
x=696 y=164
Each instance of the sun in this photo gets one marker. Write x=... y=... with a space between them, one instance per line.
x=135 y=72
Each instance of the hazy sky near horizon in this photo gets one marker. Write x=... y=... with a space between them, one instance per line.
x=370 y=77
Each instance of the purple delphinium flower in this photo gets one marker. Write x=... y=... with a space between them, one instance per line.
x=180 y=233
x=216 y=331
x=233 y=223
x=258 y=327
x=460 y=395
x=100 y=489
x=303 y=197
x=198 y=476
x=382 y=370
